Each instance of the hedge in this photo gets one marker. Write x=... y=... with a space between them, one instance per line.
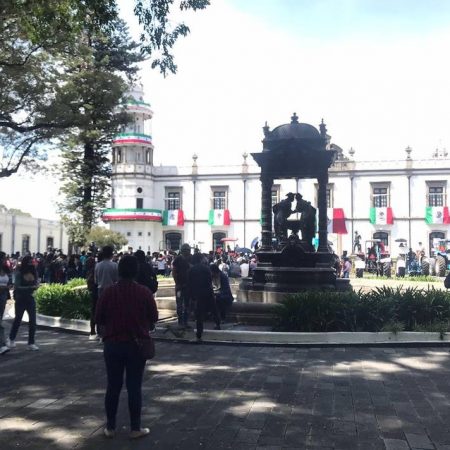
x=62 y=300
x=411 y=309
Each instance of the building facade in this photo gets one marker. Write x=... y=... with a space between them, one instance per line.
x=21 y=233
x=158 y=208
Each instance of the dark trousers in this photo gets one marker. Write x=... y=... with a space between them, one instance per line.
x=94 y=298
x=20 y=306
x=182 y=299
x=123 y=357
x=202 y=306
x=223 y=306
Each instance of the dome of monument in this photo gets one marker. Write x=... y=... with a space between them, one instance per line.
x=294 y=130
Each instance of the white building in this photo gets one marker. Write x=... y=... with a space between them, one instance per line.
x=197 y=201
x=21 y=233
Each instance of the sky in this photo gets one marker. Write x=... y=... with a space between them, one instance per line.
x=376 y=71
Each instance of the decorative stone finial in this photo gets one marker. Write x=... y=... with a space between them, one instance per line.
x=245 y=156
x=294 y=118
x=323 y=129
x=351 y=152
x=266 y=129
x=408 y=151
x=194 y=164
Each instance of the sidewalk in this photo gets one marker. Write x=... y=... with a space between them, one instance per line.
x=217 y=397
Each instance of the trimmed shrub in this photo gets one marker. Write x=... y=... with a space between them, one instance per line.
x=62 y=300
x=410 y=309
x=75 y=282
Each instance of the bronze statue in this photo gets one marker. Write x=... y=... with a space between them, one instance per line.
x=282 y=211
x=308 y=219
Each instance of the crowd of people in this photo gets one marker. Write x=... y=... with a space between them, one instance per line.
x=123 y=307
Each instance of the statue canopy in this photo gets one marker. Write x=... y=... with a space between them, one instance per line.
x=294 y=150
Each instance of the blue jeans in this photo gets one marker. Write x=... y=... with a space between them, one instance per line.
x=22 y=304
x=3 y=299
x=123 y=357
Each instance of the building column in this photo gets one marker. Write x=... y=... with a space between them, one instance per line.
x=245 y=210
x=39 y=225
x=323 y=221
x=194 y=183
x=266 y=212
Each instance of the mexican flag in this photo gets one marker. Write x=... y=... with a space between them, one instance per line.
x=437 y=214
x=336 y=221
x=381 y=216
x=173 y=217
x=219 y=217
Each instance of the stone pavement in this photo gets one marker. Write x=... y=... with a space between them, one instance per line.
x=219 y=397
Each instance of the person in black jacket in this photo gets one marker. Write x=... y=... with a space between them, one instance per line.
x=201 y=292
x=146 y=275
x=222 y=291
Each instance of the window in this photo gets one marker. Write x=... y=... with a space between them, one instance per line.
x=50 y=243
x=380 y=195
x=173 y=198
x=275 y=194
x=149 y=233
x=219 y=197
x=139 y=190
x=113 y=156
x=435 y=241
x=1 y=241
x=172 y=240
x=113 y=203
x=119 y=155
x=148 y=157
x=139 y=203
x=383 y=237
x=128 y=233
x=436 y=193
x=25 y=244
x=216 y=240
x=139 y=233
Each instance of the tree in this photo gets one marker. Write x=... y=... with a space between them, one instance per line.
x=103 y=236
x=94 y=90
x=39 y=39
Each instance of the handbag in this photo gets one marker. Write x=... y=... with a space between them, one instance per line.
x=146 y=347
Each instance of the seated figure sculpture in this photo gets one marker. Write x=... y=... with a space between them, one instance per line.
x=282 y=211
x=308 y=218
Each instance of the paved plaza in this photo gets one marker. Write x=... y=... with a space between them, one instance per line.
x=218 y=397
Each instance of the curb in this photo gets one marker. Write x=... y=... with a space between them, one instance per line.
x=273 y=339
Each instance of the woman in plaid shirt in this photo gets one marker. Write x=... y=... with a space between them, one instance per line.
x=125 y=311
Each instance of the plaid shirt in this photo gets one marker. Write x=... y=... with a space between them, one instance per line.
x=126 y=310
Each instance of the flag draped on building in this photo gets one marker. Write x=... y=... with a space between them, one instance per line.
x=219 y=217
x=336 y=221
x=173 y=217
x=437 y=214
x=381 y=216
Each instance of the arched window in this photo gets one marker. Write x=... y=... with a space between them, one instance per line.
x=216 y=238
x=172 y=240
x=119 y=155
x=434 y=239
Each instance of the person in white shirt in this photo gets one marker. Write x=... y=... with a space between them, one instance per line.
x=245 y=267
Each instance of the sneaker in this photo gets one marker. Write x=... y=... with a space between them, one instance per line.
x=94 y=337
x=139 y=433
x=33 y=347
x=10 y=343
x=109 y=433
x=4 y=349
